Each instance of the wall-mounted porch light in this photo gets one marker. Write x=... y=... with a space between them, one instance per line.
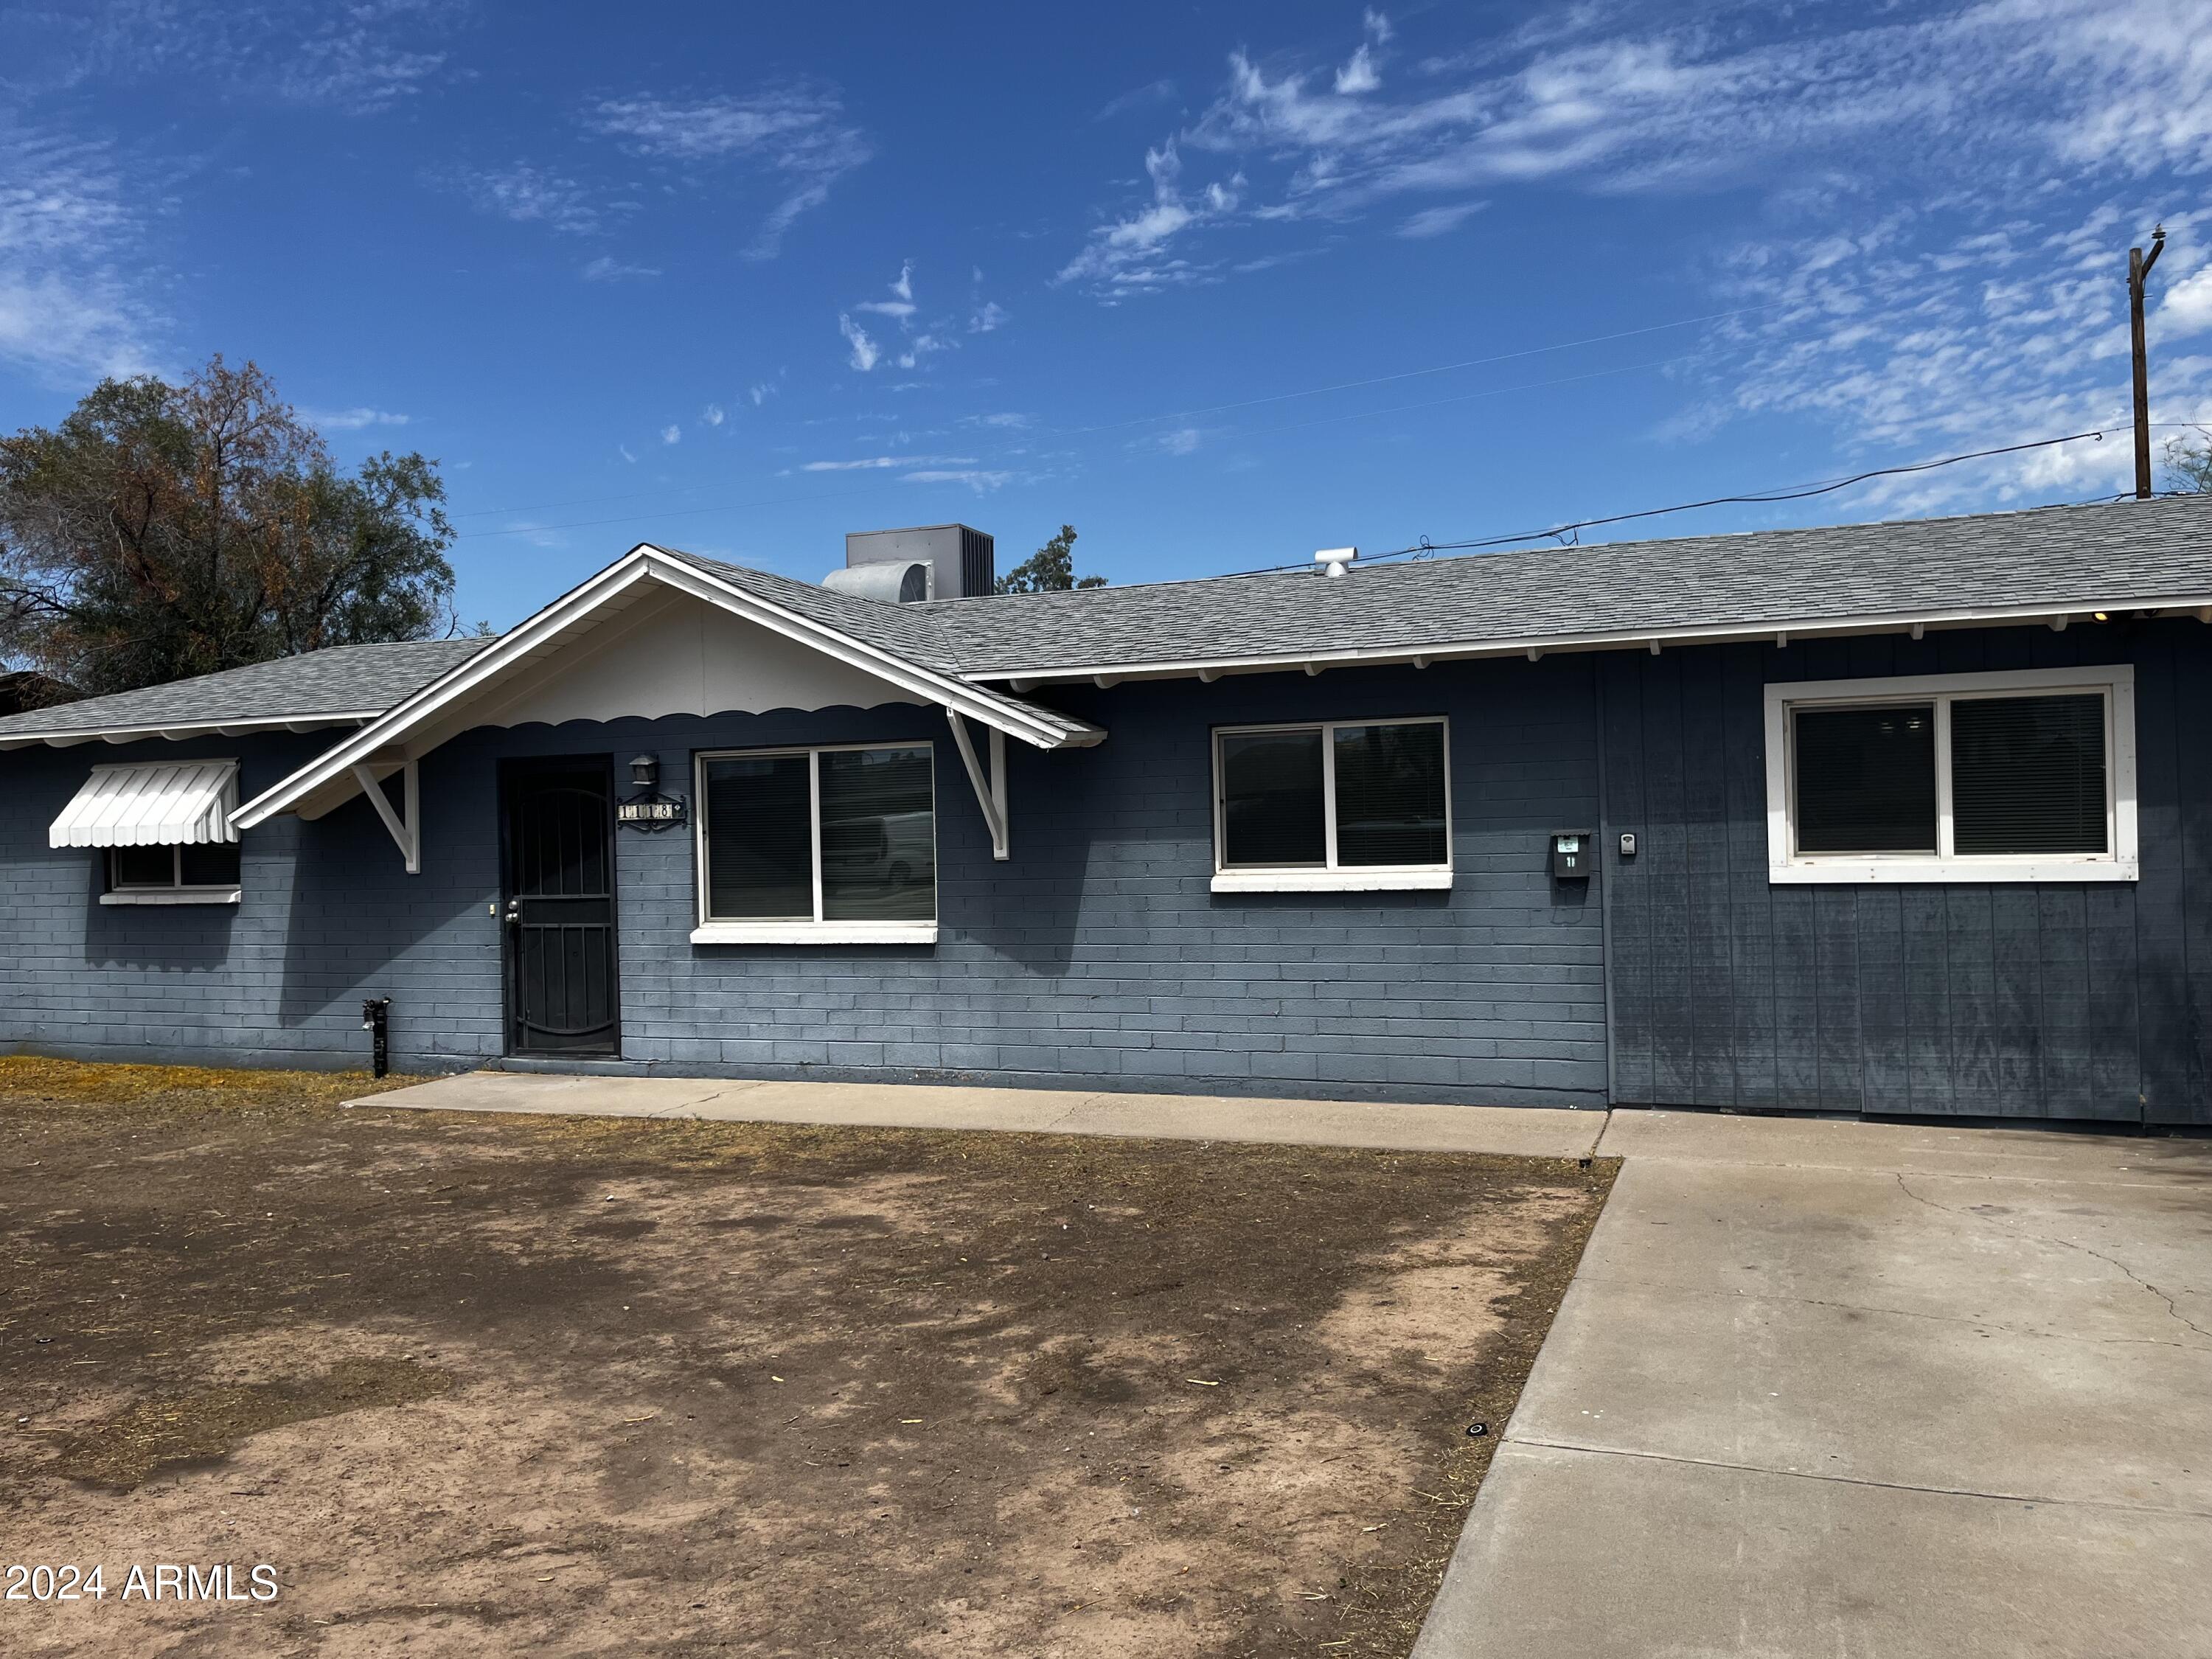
x=645 y=770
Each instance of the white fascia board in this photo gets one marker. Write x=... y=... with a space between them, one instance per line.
x=644 y=563
x=1632 y=639
x=178 y=730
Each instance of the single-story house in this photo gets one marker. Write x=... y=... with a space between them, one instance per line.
x=1909 y=818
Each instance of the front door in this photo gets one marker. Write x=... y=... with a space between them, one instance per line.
x=562 y=991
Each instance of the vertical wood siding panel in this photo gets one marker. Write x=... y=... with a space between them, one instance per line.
x=1750 y=898
x=2183 y=1094
x=1925 y=917
x=1673 y=1081
x=1885 y=1022
x=1704 y=802
x=2162 y=966
x=1631 y=920
x=2017 y=956
x=1972 y=949
x=2064 y=1002
x=2115 y=1053
x=1796 y=1000
x=1835 y=955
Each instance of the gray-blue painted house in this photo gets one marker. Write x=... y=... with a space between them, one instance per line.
x=1905 y=819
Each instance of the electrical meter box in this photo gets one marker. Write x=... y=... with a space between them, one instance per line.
x=1571 y=855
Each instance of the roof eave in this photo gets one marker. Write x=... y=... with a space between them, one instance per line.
x=178 y=730
x=1630 y=639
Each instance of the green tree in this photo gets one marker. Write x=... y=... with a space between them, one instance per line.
x=1051 y=570
x=163 y=531
x=2189 y=462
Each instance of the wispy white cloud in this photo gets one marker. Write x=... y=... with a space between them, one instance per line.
x=880 y=463
x=1129 y=255
x=671 y=434
x=1008 y=420
x=797 y=136
x=987 y=317
x=1991 y=95
x=531 y=194
x=78 y=293
x=1939 y=331
x=350 y=420
x=624 y=450
x=760 y=392
x=900 y=304
x=358 y=57
x=608 y=269
x=916 y=345
x=712 y=415
x=866 y=353
x=1439 y=221
x=980 y=482
x=1152 y=92
x=1182 y=440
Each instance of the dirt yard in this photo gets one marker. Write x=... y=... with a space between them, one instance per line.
x=508 y=1386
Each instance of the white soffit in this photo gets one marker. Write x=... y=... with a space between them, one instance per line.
x=150 y=805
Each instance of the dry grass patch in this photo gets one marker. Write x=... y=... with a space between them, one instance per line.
x=489 y=1385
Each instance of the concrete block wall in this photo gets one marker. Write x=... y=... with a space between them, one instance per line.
x=1096 y=956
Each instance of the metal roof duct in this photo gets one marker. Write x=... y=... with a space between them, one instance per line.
x=893 y=581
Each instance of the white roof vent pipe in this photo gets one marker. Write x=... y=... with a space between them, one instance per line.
x=1333 y=560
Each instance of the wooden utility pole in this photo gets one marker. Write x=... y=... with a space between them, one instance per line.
x=2138 y=269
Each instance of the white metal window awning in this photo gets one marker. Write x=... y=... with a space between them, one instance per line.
x=187 y=802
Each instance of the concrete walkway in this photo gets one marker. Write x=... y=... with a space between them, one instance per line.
x=1516 y=1130
x=1849 y=1391
x=1861 y=1392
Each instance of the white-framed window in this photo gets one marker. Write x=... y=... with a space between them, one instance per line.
x=203 y=872
x=830 y=845
x=2024 y=775
x=1332 y=806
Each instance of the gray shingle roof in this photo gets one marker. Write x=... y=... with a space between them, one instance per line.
x=2130 y=554
x=907 y=629
x=342 y=681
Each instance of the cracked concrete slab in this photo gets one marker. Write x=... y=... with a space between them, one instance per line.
x=1852 y=1389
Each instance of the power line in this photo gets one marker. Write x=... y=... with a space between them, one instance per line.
x=1788 y=494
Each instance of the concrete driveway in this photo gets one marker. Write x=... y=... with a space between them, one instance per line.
x=1856 y=1391
x=1861 y=1392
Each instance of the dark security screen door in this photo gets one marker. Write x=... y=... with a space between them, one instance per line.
x=560 y=912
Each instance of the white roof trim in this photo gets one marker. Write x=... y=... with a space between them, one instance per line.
x=1634 y=639
x=159 y=805
x=67 y=739
x=646 y=563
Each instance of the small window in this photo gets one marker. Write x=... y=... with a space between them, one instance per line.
x=197 y=872
x=2025 y=776
x=1349 y=805
x=818 y=846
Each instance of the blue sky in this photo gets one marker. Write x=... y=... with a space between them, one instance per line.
x=1220 y=284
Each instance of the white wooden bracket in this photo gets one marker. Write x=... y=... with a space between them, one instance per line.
x=406 y=824
x=991 y=792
